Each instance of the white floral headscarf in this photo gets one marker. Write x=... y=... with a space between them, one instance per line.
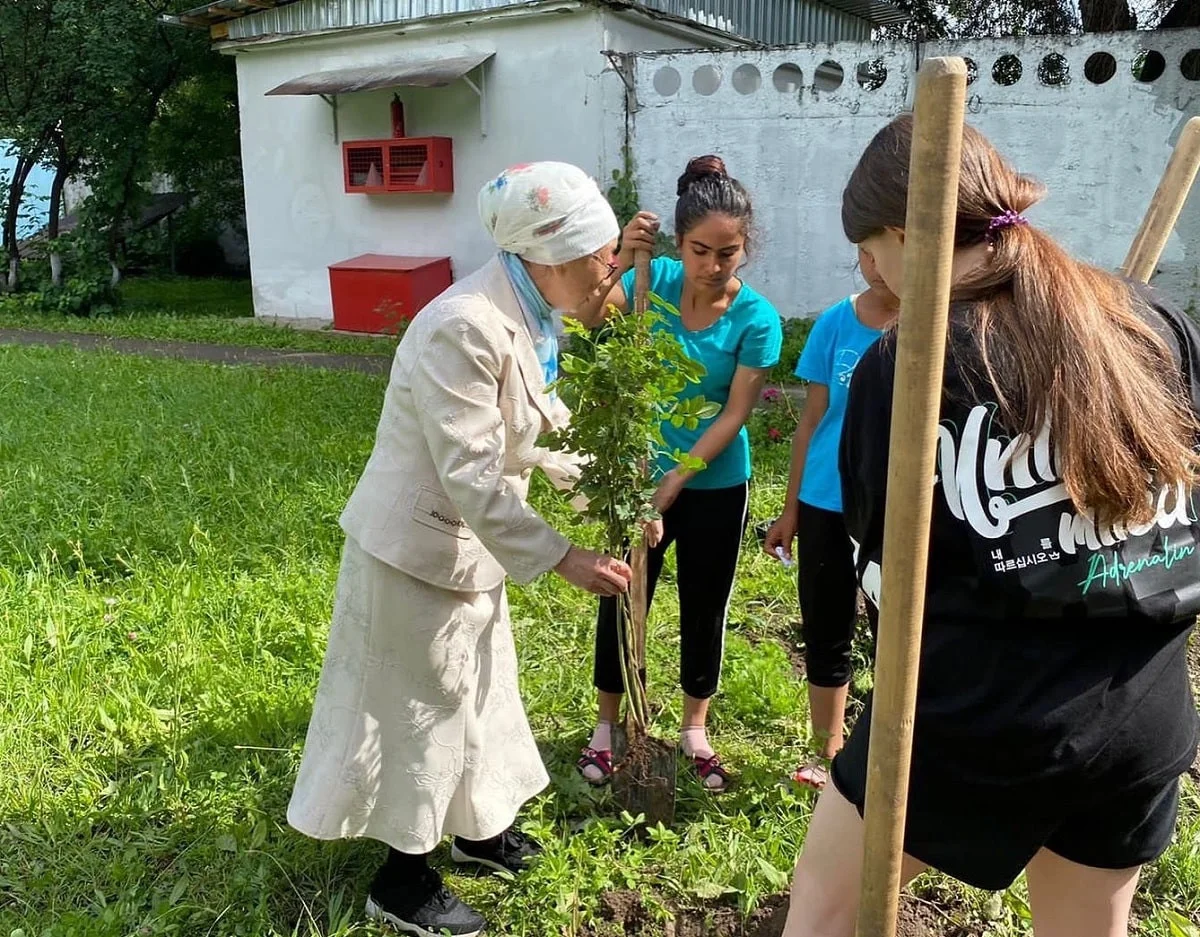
x=547 y=213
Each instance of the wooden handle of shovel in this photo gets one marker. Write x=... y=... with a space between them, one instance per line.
x=1165 y=206
x=638 y=558
x=916 y=401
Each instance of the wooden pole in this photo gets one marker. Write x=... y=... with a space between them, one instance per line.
x=916 y=401
x=1165 y=206
x=638 y=559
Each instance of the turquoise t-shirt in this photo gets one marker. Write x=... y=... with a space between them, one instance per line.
x=835 y=344
x=749 y=334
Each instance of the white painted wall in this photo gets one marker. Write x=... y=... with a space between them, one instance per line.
x=550 y=95
x=1100 y=148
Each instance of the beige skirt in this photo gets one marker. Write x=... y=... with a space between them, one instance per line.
x=418 y=730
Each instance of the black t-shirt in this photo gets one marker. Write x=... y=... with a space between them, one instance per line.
x=1052 y=649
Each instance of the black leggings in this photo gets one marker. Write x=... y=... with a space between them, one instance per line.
x=706 y=526
x=828 y=588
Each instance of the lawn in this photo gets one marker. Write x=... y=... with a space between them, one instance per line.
x=193 y=310
x=167 y=564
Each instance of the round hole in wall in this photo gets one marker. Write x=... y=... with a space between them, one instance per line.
x=788 y=79
x=1007 y=70
x=1149 y=65
x=1054 y=70
x=872 y=75
x=828 y=76
x=1189 y=65
x=747 y=79
x=667 y=81
x=1099 y=67
x=706 y=80
x=972 y=70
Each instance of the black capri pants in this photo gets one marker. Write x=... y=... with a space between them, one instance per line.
x=706 y=526
x=828 y=587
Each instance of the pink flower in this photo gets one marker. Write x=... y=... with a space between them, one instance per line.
x=772 y=394
x=774 y=434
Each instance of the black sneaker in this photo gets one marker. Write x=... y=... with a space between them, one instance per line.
x=511 y=851
x=424 y=907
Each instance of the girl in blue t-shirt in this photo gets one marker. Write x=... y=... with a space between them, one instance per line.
x=737 y=335
x=828 y=585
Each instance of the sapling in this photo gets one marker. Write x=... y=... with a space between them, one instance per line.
x=622 y=382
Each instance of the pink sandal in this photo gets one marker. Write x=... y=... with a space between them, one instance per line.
x=710 y=767
x=601 y=760
x=814 y=775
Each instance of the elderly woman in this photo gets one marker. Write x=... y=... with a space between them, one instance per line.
x=418 y=730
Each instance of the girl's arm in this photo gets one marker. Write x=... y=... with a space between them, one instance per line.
x=814 y=410
x=744 y=392
x=783 y=531
x=639 y=235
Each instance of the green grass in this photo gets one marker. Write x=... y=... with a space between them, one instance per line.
x=192 y=310
x=167 y=563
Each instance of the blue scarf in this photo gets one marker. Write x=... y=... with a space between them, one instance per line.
x=539 y=317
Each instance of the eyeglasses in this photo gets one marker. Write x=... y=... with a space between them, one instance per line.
x=610 y=266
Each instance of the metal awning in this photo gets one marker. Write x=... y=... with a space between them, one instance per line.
x=426 y=72
x=411 y=73
x=222 y=11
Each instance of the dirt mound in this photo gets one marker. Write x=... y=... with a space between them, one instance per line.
x=622 y=914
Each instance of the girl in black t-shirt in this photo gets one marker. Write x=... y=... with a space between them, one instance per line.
x=1054 y=711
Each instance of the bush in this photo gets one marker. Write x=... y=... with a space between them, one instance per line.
x=795 y=336
x=84 y=295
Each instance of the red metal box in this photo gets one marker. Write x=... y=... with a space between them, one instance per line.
x=378 y=292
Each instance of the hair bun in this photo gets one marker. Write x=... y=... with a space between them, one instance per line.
x=700 y=168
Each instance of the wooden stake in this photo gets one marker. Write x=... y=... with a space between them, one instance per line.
x=639 y=559
x=1165 y=206
x=916 y=401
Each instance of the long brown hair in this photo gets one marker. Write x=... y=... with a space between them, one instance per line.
x=1061 y=341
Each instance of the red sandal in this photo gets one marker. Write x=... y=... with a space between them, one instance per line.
x=601 y=760
x=710 y=767
x=814 y=775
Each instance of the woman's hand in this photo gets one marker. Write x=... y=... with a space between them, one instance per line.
x=654 y=532
x=668 y=490
x=595 y=572
x=639 y=235
x=783 y=532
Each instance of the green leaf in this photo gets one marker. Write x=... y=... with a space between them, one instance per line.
x=710 y=891
x=1180 y=926
x=777 y=878
x=709 y=410
x=178 y=891
x=106 y=720
x=227 y=843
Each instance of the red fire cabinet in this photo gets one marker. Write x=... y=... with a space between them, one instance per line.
x=377 y=292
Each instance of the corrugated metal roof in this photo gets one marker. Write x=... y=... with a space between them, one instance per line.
x=766 y=21
x=412 y=73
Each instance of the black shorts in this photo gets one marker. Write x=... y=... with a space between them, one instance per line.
x=985 y=834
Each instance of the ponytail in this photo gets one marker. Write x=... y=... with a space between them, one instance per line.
x=1062 y=342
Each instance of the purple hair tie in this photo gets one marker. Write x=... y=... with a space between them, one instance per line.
x=1009 y=219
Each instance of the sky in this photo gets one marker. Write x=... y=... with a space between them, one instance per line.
x=34 y=208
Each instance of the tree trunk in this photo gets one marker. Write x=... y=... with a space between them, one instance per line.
x=1106 y=16
x=16 y=192
x=1184 y=13
x=62 y=172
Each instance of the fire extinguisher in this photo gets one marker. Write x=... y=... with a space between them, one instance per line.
x=397 y=117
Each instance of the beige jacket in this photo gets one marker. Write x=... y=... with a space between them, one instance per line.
x=443 y=495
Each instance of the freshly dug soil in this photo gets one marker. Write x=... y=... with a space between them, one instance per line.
x=622 y=914
x=644 y=778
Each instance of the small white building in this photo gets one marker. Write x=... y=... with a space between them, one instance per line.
x=504 y=81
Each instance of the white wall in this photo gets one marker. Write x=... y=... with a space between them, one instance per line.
x=546 y=99
x=1100 y=148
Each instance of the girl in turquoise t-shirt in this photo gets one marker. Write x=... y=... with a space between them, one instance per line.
x=737 y=335
x=812 y=515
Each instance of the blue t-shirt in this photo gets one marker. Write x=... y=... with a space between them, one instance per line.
x=749 y=334
x=830 y=356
